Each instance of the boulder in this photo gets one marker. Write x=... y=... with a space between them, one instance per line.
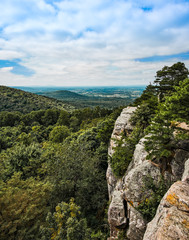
x=172 y=217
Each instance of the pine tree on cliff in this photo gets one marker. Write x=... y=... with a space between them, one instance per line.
x=168 y=78
x=161 y=142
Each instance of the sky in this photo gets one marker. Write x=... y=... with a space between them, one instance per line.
x=90 y=42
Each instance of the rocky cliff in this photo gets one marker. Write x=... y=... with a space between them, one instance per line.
x=125 y=194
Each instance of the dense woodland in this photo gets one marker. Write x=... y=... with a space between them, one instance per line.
x=49 y=157
x=53 y=162
x=16 y=100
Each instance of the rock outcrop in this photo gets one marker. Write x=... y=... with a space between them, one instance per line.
x=172 y=217
x=125 y=194
x=117 y=213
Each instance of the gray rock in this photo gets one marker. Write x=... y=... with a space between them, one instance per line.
x=117 y=210
x=177 y=164
x=186 y=171
x=134 y=181
x=116 y=213
x=184 y=144
x=137 y=224
x=172 y=217
x=111 y=181
x=122 y=124
x=139 y=155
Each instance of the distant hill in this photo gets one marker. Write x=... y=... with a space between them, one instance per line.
x=82 y=101
x=63 y=94
x=12 y=99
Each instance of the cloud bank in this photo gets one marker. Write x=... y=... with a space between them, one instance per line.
x=102 y=42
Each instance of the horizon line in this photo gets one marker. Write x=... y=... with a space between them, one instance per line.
x=140 y=85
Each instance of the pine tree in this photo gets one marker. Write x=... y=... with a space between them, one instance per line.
x=169 y=77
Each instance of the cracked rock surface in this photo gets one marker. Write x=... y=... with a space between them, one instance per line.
x=172 y=217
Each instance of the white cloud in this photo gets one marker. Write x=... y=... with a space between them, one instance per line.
x=88 y=42
x=6 y=69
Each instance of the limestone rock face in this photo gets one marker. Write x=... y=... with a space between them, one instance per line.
x=116 y=213
x=137 y=224
x=139 y=154
x=111 y=180
x=125 y=194
x=183 y=144
x=134 y=181
x=122 y=124
x=172 y=217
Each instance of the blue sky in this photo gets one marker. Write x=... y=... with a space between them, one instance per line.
x=86 y=42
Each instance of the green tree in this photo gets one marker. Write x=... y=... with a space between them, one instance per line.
x=123 y=152
x=33 y=117
x=176 y=106
x=50 y=117
x=23 y=207
x=74 y=123
x=66 y=223
x=89 y=137
x=59 y=133
x=121 y=158
x=21 y=158
x=63 y=118
x=159 y=146
x=9 y=118
x=76 y=172
x=8 y=137
x=104 y=130
x=152 y=197
x=161 y=142
x=144 y=114
x=169 y=77
x=149 y=95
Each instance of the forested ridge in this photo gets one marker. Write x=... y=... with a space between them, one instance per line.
x=17 y=100
x=65 y=94
x=83 y=100
x=53 y=162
